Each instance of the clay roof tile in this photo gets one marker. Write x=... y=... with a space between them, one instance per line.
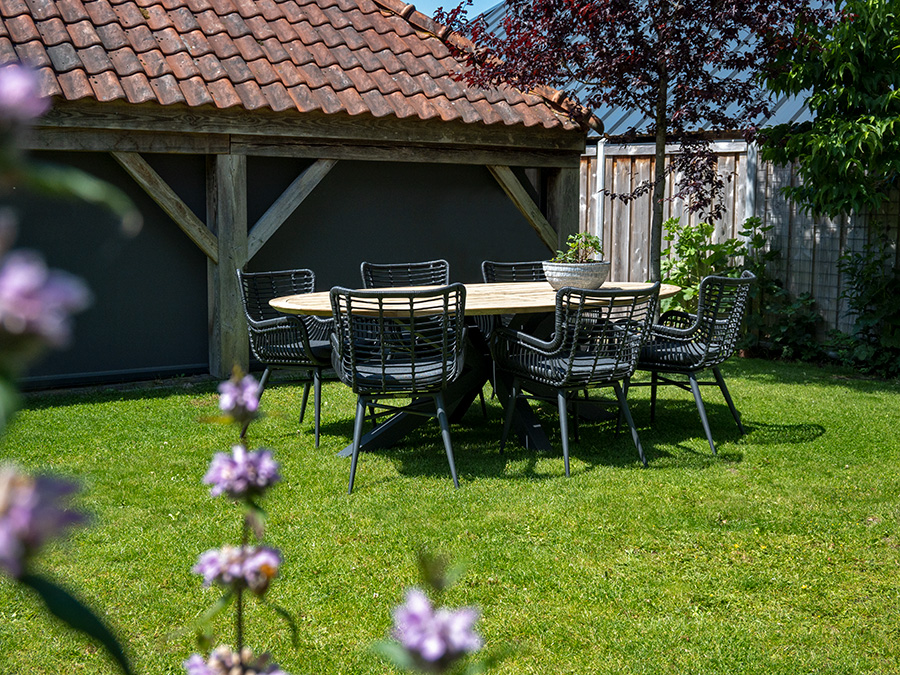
x=95 y=60
x=235 y=25
x=167 y=90
x=48 y=81
x=112 y=35
x=125 y=61
x=42 y=9
x=157 y=17
x=64 y=57
x=75 y=85
x=22 y=29
x=223 y=93
x=182 y=65
x=8 y=52
x=223 y=46
x=288 y=73
x=137 y=88
x=195 y=92
x=250 y=95
x=141 y=38
x=31 y=53
x=263 y=72
x=155 y=64
x=106 y=86
x=13 y=8
x=237 y=69
x=210 y=23
x=83 y=34
x=196 y=43
x=247 y=8
x=270 y=9
x=101 y=12
x=130 y=16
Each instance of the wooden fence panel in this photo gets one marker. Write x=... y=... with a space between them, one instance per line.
x=809 y=247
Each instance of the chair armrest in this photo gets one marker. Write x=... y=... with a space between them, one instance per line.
x=518 y=337
x=675 y=324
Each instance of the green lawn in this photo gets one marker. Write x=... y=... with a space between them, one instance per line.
x=781 y=555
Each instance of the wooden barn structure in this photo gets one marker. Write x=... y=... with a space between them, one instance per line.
x=268 y=134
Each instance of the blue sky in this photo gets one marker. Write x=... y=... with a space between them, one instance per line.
x=428 y=6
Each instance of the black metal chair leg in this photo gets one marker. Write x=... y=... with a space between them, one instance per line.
x=695 y=388
x=357 y=436
x=259 y=392
x=445 y=433
x=510 y=411
x=734 y=413
x=626 y=384
x=303 y=401
x=653 y=385
x=317 y=400
x=624 y=410
x=483 y=404
x=563 y=405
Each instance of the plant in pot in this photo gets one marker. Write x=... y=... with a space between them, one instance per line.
x=577 y=266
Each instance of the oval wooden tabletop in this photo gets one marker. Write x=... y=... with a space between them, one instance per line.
x=511 y=298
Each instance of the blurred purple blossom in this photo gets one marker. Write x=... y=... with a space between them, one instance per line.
x=239 y=398
x=20 y=94
x=224 y=661
x=250 y=567
x=242 y=473
x=31 y=512
x=37 y=302
x=436 y=637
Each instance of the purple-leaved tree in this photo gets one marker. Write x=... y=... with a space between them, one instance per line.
x=689 y=67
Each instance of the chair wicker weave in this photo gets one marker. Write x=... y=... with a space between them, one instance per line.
x=280 y=341
x=685 y=344
x=509 y=272
x=390 y=275
x=596 y=342
x=390 y=344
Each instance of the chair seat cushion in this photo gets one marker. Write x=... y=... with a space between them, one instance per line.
x=398 y=375
x=674 y=354
x=586 y=369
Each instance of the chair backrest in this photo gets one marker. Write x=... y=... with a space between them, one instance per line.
x=398 y=342
x=721 y=307
x=508 y=272
x=257 y=288
x=388 y=275
x=599 y=333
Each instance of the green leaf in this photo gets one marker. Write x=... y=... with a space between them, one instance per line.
x=394 y=653
x=64 y=606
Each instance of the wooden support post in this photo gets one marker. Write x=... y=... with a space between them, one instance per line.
x=523 y=201
x=562 y=203
x=226 y=205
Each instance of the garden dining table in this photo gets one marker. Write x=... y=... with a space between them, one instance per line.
x=521 y=299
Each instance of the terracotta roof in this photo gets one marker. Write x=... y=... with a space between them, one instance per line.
x=359 y=57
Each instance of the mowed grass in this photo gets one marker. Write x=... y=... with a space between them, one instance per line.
x=780 y=555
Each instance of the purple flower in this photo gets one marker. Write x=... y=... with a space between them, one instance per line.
x=20 y=94
x=435 y=637
x=36 y=302
x=224 y=661
x=250 y=567
x=239 y=398
x=242 y=473
x=31 y=512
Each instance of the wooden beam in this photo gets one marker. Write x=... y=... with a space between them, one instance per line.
x=562 y=203
x=168 y=201
x=336 y=128
x=226 y=195
x=401 y=152
x=523 y=201
x=112 y=140
x=286 y=204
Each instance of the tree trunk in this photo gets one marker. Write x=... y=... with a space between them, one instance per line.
x=659 y=174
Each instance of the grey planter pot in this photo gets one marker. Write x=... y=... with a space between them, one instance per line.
x=578 y=275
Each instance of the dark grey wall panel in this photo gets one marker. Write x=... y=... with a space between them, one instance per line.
x=389 y=212
x=149 y=314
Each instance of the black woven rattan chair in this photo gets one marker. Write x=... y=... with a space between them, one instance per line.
x=506 y=272
x=685 y=344
x=279 y=341
x=596 y=342
x=510 y=272
x=390 y=275
x=390 y=344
